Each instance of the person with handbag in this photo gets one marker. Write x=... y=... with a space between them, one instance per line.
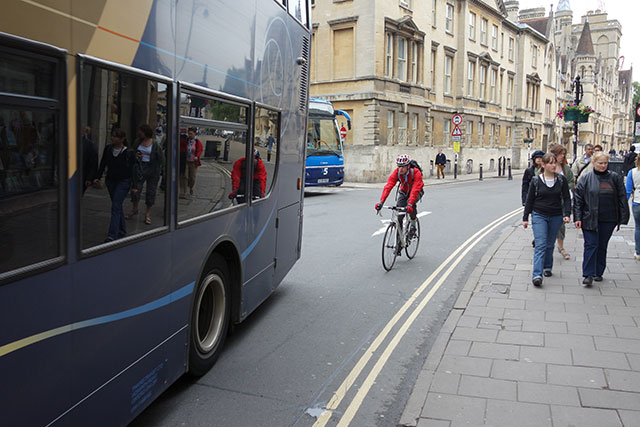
x=600 y=204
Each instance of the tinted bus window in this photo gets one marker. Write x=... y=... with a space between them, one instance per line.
x=29 y=162
x=29 y=76
x=298 y=9
x=208 y=181
x=123 y=154
x=212 y=109
x=266 y=142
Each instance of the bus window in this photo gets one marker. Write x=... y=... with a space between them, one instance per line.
x=266 y=141
x=122 y=154
x=212 y=109
x=29 y=160
x=298 y=9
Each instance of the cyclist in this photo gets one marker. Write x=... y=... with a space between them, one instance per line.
x=409 y=176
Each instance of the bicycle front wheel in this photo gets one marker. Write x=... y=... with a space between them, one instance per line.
x=412 y=240
x=389 y=245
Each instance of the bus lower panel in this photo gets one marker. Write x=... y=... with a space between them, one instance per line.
x=323 y=176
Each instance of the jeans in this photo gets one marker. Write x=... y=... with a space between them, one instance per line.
x=118 y=192
x=545 y=230
x=595 y=249
x=635 y=208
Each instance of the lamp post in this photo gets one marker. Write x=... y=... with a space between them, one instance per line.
x=576 y=87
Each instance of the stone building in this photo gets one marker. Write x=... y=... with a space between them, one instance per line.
x=403 y=68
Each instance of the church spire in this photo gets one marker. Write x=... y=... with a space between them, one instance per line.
x=563 y=5
x=585 y=45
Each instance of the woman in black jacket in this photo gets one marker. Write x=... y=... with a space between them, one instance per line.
x=600 y=204
x=118 y=160
x=549 y=203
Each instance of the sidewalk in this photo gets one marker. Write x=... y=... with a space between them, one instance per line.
x=511 y=354
x=448 y=179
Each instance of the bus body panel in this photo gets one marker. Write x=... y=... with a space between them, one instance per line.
x=108 y=371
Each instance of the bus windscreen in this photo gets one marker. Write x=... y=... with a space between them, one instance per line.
x=322 y=137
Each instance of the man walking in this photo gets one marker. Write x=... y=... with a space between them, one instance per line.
x=441 y=161
x=581 y=163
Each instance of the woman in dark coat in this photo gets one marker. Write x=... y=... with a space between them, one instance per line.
x=599 y=205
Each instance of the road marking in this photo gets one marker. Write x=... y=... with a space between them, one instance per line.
x=387 y=221
x=342 y=390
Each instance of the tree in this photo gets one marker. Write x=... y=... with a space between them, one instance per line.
x=636 y=94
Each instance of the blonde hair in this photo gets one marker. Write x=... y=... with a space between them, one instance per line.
x=599 y=154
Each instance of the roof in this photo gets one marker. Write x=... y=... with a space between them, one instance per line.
x=563 y=5
x=541 y=25
x=585 y=45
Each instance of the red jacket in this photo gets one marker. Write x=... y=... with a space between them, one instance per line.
x=259 y=175
x=408 y=185
x=184 y=143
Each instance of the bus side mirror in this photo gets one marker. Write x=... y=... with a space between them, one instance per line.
x=349 y=124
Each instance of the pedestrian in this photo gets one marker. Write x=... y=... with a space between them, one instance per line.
x=633 y=192
x=270 y=141
x=563 y=169
x=118 y=160
x=549 y=203
x=191 y=150
x=629 y=159
x=89 y=159
x=239 y=178
x=581 y=163
x=147 y=168
x=529 y=173
x=600 y=204
x=441 y=162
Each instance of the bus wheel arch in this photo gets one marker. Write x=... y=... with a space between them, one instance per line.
x=214 y=306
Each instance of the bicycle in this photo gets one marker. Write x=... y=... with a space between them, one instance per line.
x=398 y=237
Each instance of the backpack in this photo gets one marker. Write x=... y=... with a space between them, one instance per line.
x=413 y=164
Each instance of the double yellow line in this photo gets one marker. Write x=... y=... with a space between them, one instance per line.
x=357 y=370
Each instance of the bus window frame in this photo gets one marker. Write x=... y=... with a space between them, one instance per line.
x=59 y=106
x=284 y=4
x=214 y=95
x=135 y=72
x=257 y=105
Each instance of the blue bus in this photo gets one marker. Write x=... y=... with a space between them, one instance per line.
x=126 y=252
x=325 y=161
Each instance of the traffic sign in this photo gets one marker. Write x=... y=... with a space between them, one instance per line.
x=343 y=132
x=456 y=131
x=456 y=119
x=456 y=148
x=456 y=138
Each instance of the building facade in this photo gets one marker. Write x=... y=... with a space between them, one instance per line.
x=403 y=68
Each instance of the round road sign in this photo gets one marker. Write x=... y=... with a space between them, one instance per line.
x=456 y=119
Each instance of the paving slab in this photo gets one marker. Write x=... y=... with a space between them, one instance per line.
x=555 y=355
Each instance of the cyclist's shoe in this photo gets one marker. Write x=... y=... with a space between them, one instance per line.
x=412 y=232
x=398 y=250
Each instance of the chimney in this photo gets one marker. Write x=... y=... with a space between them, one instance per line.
x=512 y=6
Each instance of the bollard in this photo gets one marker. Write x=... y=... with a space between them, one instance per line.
x=455 y=167
x=510 y=176
x=504 y=165
x=430 y=167
x=500 y=166
x=480 y=171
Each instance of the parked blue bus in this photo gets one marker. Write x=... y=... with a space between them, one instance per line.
x=325 y=161
x=127 y=152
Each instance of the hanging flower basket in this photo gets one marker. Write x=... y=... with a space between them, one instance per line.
x=576 y=116
x=528 y=140
x=575 y=113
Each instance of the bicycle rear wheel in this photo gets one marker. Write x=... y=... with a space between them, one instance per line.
x=389 y=247
x=414 y=241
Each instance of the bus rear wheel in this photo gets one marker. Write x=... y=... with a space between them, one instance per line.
x=210 y=318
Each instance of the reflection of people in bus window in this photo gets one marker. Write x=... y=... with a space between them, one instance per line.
x=191 y=149
x=118 y=160
x=149 y=162
x=89 y=159
x=238 y=178
x=270 y=141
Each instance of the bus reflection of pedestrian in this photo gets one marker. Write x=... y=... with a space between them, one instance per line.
x=270 y=141
x=238 y=178
x=118 y=160
x=148 y=166
x=191 y=149
x=89 y=159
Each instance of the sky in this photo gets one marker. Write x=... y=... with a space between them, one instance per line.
x=625 y=11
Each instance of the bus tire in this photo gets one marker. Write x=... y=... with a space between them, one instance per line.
x=210 y=317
